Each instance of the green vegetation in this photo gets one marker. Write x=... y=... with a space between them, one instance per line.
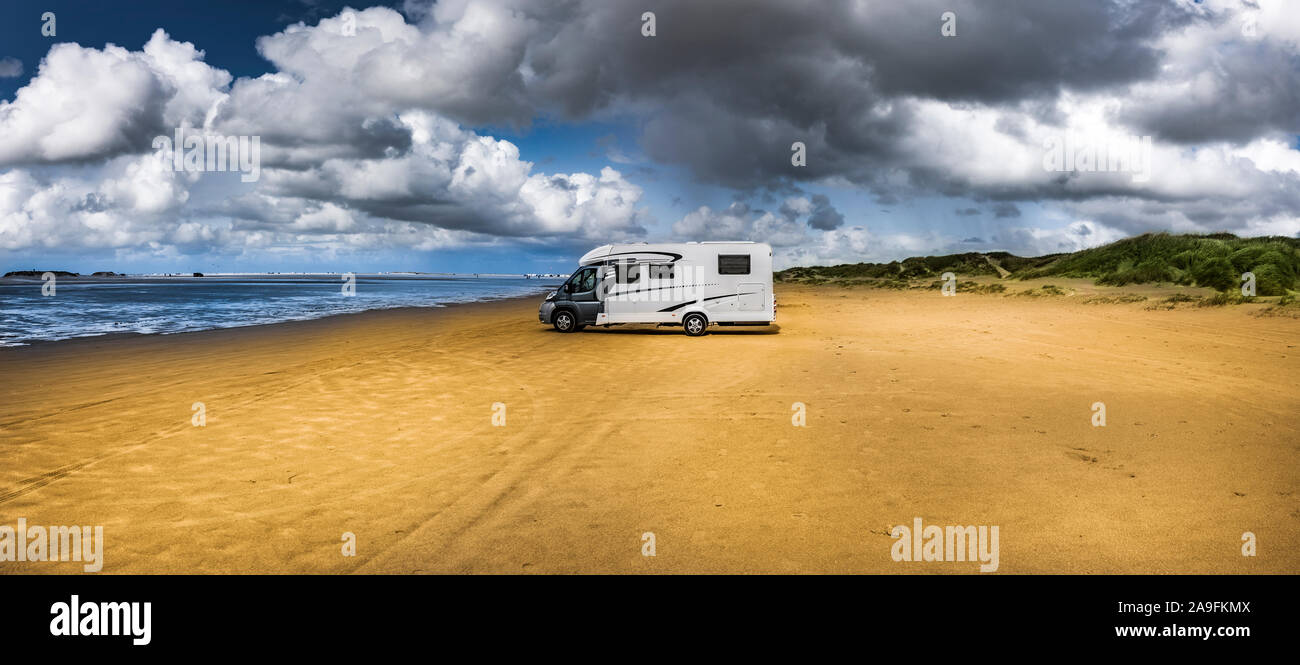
x=1117 y=299
x=917 y=267
x=1221 y=299
x=1042 y=291
x=1285 y=306
x=969 y=286
x=1173 y=301
x=1215 y=261
x=1217 y=300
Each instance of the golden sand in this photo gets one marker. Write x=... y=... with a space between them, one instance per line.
x=970 y=410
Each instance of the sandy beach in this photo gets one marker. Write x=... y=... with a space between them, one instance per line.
x=969 y=410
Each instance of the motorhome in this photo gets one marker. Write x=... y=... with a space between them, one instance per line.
x=693 y=285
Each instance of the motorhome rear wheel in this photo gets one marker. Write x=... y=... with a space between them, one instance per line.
x=695 y=325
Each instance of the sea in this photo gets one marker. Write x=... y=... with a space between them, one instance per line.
x=154 y=304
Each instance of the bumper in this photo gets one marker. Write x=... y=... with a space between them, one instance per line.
x=544 y=312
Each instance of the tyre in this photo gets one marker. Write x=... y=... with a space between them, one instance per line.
x=565 y=321
x=695 y=324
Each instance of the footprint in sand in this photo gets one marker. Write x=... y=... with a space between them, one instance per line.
x=1082 y=456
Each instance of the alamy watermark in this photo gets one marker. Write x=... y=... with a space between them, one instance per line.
x=54 y=543
x=101 y=619
x=1071 y=153
x=200 y=152
x=633 y=282
x=946 y=543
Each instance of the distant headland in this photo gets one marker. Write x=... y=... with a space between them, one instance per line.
x=39 y=273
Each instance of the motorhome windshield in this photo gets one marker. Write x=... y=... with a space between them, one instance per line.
x=582 y=280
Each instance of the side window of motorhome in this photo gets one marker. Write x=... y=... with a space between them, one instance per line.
x=628 y=273
x=733 y=264
x=661 y=271
x=587 y=280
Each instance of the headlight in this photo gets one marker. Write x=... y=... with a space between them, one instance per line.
x=550 y=296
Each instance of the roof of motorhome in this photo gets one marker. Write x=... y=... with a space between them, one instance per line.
x=606 y=250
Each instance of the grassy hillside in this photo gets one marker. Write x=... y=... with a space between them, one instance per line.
x=1216 y=261
x=918 y=267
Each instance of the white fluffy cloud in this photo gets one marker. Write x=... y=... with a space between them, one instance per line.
x=86 y=103
x=359 y=148
x=126 y=202
x=739 y=222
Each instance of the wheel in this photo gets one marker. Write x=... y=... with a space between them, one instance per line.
x=695 y=324
x=564 y=321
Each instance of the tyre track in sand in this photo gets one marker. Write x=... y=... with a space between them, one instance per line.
x=33 y=483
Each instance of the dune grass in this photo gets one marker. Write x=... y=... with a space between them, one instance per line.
x=1215 y=261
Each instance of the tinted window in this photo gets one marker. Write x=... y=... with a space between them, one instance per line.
x=587 y=280
x=661 y=271
x=628 y=273
x=733 y=264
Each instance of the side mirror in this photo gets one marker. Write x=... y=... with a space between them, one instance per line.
x=568 y=288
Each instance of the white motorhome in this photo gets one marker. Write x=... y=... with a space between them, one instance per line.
x=693 y=284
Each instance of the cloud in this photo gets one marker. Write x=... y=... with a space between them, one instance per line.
x=88 y=104
x=739 y=222
x=373 y=125
x=786 y=228
x=343 y=158
x=10 y=68
x=824 y=216
x=1233 y=74
x=1005 y=210
x=122 y=203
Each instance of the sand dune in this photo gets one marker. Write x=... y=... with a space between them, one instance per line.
x=973 y=410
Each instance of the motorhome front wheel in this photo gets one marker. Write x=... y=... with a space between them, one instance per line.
x=564 y=321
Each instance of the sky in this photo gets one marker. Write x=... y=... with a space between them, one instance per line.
x=514 y=135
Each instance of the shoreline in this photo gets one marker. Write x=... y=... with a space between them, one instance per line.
x=114 y=337
x=1081 y=289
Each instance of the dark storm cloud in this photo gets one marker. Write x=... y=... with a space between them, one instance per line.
x=732 y=84
x=726 y=87
x=1252 y=88
x=1005 y=210
x=300 y=145
x=824 y=216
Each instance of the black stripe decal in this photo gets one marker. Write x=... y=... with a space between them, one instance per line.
x=692 y=302
x=678 y=306
x=730 y=295
x=676 y=257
